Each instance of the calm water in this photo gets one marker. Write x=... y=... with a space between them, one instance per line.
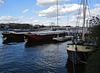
x=23 y=58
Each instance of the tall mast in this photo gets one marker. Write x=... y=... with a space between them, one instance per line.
x=57 y=12
x=84 y=11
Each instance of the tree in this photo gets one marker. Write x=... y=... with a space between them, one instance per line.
x=95 y=32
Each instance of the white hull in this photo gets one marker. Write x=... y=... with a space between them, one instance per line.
x=64 y=38
x=79 y=53
x=81 y=48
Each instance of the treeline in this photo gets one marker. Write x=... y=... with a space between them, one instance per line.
x=6 y=26
x=9 y=26
x=93 y=64
x=95 y=32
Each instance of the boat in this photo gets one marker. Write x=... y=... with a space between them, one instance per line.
x=17 y=35
x=45 y=36
x=62 y=38
x=78 y=52
x=80 y=49
x=14 y=35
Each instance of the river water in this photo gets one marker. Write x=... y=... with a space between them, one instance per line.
x=42 y=58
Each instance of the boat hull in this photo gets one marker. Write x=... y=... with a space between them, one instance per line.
x=11 y=36
x=80 y=53
x=77 y=57
x=37 y=38
x=41 y=37
x=61 y=39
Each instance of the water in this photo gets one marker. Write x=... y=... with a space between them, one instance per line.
x=42 y=58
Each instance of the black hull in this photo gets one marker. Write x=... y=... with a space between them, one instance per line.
x=8 y=38
x=11 y=36
x=77 y=57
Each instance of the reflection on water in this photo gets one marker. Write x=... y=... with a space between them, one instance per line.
x=33 y=58
x=11 y=42
x=75 y=68
x=43 y=57
x=32 y=44
x=7 y=41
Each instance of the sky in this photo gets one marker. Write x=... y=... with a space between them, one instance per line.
x=44 y=12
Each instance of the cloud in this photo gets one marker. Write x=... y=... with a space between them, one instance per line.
x=26 y=10
x=48 y=2
x=74 y=18
x=95 y=11
x=6 y=19
x=1 y=3
x=20 y=19
x=64 y=11
x=51 y=12
x=70 y=10
x=96 y=5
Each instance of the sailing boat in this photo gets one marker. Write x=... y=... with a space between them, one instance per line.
x=59 y=38
x=79 y=50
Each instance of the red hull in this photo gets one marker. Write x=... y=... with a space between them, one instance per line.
x=46 y=37
x=40 y=37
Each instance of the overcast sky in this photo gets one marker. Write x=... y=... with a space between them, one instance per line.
x=44 y=12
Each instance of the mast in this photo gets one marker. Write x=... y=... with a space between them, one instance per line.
x=57 y=12
x=84 y=11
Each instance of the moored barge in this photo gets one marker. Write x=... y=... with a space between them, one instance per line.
x=44 y=35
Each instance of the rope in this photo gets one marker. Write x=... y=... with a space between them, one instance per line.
x=89 y=9
x=79 y=12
